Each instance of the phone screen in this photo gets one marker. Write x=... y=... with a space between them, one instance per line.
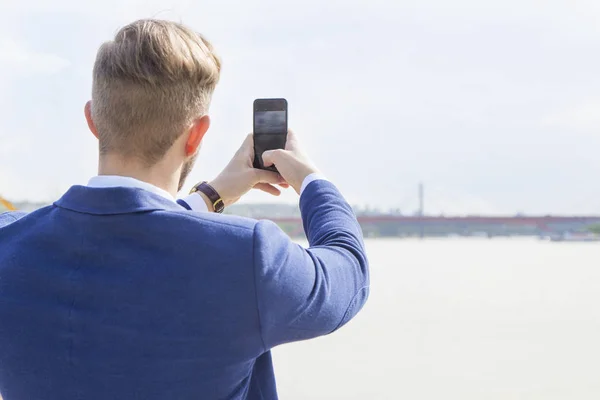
x=270 y=128
x=270 y=122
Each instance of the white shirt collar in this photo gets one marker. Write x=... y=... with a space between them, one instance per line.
x=107 y=181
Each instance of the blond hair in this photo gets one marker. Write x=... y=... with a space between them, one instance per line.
x=150 y=83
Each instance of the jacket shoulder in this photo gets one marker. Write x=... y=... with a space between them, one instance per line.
x=205 y=218
x=8 y=218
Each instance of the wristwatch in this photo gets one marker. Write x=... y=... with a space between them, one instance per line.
x=211 y=193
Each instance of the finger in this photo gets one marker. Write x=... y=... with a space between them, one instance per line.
x=270 y=157
x=291 y=141
x=262 y=176
x=265 y=187
x=284 y=185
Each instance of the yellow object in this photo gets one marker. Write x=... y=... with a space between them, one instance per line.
x=6 y=204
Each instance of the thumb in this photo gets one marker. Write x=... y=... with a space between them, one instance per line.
x=272 y=157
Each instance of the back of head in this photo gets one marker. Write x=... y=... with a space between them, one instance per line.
x=149 y=85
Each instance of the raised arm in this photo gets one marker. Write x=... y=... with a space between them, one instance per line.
x=304 y=293
x=300 y=293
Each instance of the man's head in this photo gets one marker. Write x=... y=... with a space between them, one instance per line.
x=152 y=87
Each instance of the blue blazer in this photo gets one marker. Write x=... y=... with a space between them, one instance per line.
x=118 y=293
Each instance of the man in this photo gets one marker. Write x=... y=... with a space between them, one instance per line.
x=117 y=291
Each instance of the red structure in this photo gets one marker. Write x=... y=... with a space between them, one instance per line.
x=397 y=225
x=468 y=219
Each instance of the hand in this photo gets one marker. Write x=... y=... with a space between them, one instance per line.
x=293 y=165
x=239 y=176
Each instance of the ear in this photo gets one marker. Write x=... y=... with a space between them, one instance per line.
x=88 y=116
x=196 y=135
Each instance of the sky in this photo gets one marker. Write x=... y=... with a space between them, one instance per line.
x=493 y=105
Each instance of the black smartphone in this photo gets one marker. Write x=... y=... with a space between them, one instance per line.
x=270 y=128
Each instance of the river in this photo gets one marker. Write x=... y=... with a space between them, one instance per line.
x=461 y=319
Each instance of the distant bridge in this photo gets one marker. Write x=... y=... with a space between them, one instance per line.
x=396 y=225
x=521 y=220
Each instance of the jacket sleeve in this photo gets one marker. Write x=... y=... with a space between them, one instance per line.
x=305 y=293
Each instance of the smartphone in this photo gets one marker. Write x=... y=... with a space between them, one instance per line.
x=270 y=128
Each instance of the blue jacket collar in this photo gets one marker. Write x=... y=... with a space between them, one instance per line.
x=114 y=200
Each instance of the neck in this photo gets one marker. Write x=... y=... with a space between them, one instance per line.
x=158 y=175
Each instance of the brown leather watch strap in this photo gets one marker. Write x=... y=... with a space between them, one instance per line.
x=211 y=193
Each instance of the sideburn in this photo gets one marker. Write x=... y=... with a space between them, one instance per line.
x=187 y=167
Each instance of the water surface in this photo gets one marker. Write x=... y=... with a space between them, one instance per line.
x=462 y=319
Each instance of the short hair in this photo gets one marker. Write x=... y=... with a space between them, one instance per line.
x=149 y=84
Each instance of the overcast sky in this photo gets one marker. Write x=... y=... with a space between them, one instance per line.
x=494 y=105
